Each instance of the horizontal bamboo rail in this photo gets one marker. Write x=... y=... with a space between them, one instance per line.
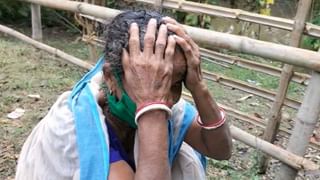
x=223 y=80
x=193 y=7
x=267 y=94
x=282 y=53
x=45 y=47
x=292 y=160
x=289 y=55
x=300 y=78
x=259 y=122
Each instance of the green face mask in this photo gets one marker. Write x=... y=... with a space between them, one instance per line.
x=124 y=109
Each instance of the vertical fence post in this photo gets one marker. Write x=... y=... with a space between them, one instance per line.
x=305 y=123
x=286 y=75
x=158 y=5
x=36 y=22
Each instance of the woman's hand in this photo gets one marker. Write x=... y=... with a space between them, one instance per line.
x=148 y=74
x=191 y=50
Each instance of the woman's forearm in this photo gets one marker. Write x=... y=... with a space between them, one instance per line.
x=217 y=142
x=153 y=162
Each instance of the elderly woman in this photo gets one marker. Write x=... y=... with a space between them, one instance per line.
x=126 y=119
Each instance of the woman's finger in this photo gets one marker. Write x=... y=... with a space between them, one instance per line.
x=180 y=32
x=186 y=47
x=161 y=41
x=125 y=59
x=134 y=42
x=170 y=50
x=150 y=37
x=168 y=19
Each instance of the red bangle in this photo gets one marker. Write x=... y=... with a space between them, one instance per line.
x=150 y=103
x=216 y=124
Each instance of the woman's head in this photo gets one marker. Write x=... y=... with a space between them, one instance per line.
x=117 y=38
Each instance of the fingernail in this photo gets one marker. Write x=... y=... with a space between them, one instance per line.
x=133 y=24
x=152 y=20
x=163 y=26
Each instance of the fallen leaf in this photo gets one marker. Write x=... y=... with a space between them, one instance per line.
x=17 y=113
x=244 y=98
x=254 y=104
x=34 y=96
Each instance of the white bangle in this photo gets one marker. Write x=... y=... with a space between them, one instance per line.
x=151 y=108
x=216 y=124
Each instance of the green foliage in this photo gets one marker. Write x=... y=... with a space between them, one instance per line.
x=11 y=11
x=193 y=19
x=250 y=173
x=111 y=3
x=311 y=42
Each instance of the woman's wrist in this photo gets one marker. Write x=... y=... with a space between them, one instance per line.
x=152 y=118
x=152 y=108
x=198 y=88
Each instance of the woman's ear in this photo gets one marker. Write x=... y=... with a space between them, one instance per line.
x=108 y=77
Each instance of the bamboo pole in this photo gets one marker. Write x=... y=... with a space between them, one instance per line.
x=300 y=78
x=305 y=123
x=258 y=122
x=45 y=47
x=229 y=82
x=282 y=53
x=292 y=160
x=158 y=5
x=36 y=22
x=238 y=14
x=286 y=75
x=240 y=85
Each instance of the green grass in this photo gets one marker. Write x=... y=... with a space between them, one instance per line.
x=259 y=79
x=25 y=70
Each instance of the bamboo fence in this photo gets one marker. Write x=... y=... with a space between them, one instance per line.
x=36 y=22
x=259 y=122
x=290 y=159
x=229 y=82
x=289 y=55
x=212 y=10
x=305 y=123
x=274 y=118
x=297 y=77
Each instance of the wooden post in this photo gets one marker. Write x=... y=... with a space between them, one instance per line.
x=36 y=22
x=286 y=75
x=158 y=5
x=305 y=123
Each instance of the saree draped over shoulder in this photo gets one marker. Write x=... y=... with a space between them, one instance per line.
x=71 y=141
